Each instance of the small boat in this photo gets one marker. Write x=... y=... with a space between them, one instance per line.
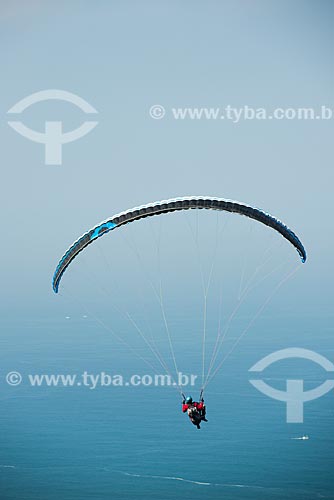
x=303 y=438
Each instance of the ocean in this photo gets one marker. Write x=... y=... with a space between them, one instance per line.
x=134 y=442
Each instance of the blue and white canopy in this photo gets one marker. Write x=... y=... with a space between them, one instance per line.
x=172 y=205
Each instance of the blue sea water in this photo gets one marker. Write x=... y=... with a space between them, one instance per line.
x=134 y=443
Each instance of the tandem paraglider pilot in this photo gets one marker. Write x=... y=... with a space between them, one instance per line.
x=196 y=411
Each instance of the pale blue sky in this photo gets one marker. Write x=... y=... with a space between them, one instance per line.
x=122 y=57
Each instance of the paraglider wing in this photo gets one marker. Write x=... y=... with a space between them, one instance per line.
x=172 y=205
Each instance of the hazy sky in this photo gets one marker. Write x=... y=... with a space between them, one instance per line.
x=124 y=57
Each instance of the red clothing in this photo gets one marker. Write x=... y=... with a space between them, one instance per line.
x=185 y=406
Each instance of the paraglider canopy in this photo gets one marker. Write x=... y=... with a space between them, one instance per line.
x=172 y=205
x=188 y=203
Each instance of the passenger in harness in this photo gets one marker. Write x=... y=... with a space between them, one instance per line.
x=196 y=411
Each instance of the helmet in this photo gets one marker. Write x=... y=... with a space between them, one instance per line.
x=189 y=400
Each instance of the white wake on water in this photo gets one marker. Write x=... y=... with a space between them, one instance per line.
x=175 y=478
